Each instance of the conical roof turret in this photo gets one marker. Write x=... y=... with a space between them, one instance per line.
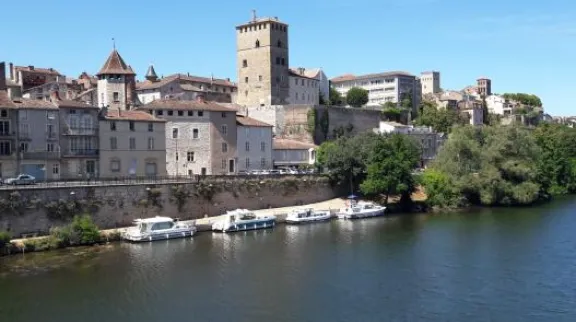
x=151 y=74
x=115 y=65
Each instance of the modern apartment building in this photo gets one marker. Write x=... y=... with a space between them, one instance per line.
x=382 y=87
x=254 y=145
x=132 y=143
x=430 y=82
x=201 y=136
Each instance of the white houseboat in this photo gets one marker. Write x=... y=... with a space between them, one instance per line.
x=158 y=228
x=242 y=219
x=305 y=215
x=358 y=210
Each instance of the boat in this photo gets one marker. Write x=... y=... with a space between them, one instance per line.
x=242 y=220
x=158 y=228
x=298 y=216
x=358 y=210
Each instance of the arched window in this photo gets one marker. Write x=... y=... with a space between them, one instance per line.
x=257 y=43
x=279 y=44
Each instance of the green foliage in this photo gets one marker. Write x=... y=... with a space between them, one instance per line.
x=440 y=120
x=485 y=113
x=335 y=98
x=393 y=114
x=526 y=99
x=390 y=165
x=180 y=196
x=487 y=166
x=82 y=231
x=14 y=204
x=322 y=99
x=357 y=97
x=5 y=238
x=324 y=123
x=311 y=121
x=61 y=209
x=406 y=101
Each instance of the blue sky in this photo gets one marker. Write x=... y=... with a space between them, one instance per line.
x=523 y=46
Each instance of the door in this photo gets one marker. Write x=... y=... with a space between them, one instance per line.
x=151 y=169
x=203 y=171
x=35 y=170
x=91 y=168
x=231 y=166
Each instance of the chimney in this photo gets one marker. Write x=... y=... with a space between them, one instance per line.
x=54 y=94
x=2 y=76
x=228 y=79
x=301 y=70
x=200 y=98
x=11 y=71
x=188 y=74
x=31 y=67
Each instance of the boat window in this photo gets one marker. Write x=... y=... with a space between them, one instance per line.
x=162 y=225
x=142 y=227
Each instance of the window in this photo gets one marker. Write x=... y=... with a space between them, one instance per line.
x=245 y=79
x=55 y=168
x=195 y=133
x=72 y=112
x=223 y=114
x=24 y=129
x=262 y=146
x=3 y=113
x=160 y=112
x=24 y=147
x=180 y=113
x=247 y=163
x=224 y=129
x=200 y=113
x=260 y=78
x=150 y=143
x=116 y=96
x=175 y=133
x=277 y=60
x=150 y=127
x=190 y=156
x=247 y=146
x=223 y=163
x=190 y=113
x=257 y=43
x=244 y=63
x=24 y=115
x=224 y=147
x=176 y=156
x=115 y=165
x=279 y=44
x=263 y=162
x=113 y=143
x=50 y=147
x=5 y=148
x=132 y=143
x=283 y=62
x=5 y=127
x=131 y=126
x=170 y=113
x=50 y=130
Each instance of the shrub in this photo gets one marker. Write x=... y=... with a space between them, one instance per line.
x=4 y=239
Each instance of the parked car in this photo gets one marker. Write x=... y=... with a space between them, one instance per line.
x=21 y=179
x=243 y=173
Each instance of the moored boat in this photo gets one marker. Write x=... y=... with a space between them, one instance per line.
x=158 y=228
x=358 y=210
x=241 y=220
x=305 y=215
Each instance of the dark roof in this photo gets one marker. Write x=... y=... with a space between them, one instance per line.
x=285 y=144
x=248 y=121
x=297 y=74
x=183 y=77
x=115 y=65
x=5 y=101
x=349 y=77
x=50 y=71
x=151 y=73
x=131 y=116
x=169 y=104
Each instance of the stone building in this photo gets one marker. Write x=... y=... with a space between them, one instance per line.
x=254 y=145
x=262 y=62
x=430 y=82
x=8 y=137
x=132 y=143
x=116 y=84
x=30 y=76
x=201 y=136
x=303 y=89
x=484 y=86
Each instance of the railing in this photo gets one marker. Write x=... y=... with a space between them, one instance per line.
x=80 y=152
x=41 y=155
x=81 y=131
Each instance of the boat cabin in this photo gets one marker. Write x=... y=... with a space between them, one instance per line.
x=154 y=224
x=305 y=213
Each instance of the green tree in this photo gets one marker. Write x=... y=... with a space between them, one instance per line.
x=357 y=97
x=335 y=98
x=526 y=99
x=440 y=120
x=390 y=165
x=321 y=99
x=485 y=112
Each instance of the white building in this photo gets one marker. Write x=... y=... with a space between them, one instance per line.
x=382 y=87
x=430 y=82
x=473 y=109
x=303 y=89
x=254 y=146
x=292 y=153
x=499 y=105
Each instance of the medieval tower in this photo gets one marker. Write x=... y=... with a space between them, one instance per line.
x=116 y=84
x=262 y=62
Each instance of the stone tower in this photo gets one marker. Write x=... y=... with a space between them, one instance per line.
x=116 y=84
x=262 y=60
x=484 y=86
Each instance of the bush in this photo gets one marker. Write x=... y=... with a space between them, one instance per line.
x=82 y=231
x=4 y=239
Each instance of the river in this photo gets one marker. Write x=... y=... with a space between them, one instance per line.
x=492 y=265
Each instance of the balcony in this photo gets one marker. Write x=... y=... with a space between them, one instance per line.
x=81 y=131
x=7 y=134
x=86 y=153
x=41 y=155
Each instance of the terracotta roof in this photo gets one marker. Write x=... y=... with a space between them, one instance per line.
x=5 y=101
x=248 y=121
x=183 y=77
x=74 y=104
x=24 y=103
x=48 y=84
x=167 y=104
x=50 y=71
x=115 y=65
x=285 y=144
x=131 y=116
x=296 y=73
x=348 y=77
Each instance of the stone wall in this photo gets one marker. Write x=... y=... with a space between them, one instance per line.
x=37 y=210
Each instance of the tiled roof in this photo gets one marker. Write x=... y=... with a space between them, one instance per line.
x=74 y=104
x=49 y=85
x=348 y=77
x=24 y=103
x=5 y=101
x=115 y=65
x=50 y=71
x=131 y=116
x=296 y=73
x=285 y=144
x=248 y=121
x=191 y=78
x=185 y=105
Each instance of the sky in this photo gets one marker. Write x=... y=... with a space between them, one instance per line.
x=523 y=46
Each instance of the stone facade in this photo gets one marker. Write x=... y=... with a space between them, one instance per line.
x=430 y=82
x=262 y=62
x=118 y=206
x=303 y=89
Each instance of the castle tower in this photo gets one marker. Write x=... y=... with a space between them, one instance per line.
x=116 y=83
x=262 y=62
x=484 y=86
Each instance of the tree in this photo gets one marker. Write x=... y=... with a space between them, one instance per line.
x=440 y=120
x=526 y=99
x=389 y=167
x=485 y=113
x=321 y=99
x=335 y=98
x=357 y=97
